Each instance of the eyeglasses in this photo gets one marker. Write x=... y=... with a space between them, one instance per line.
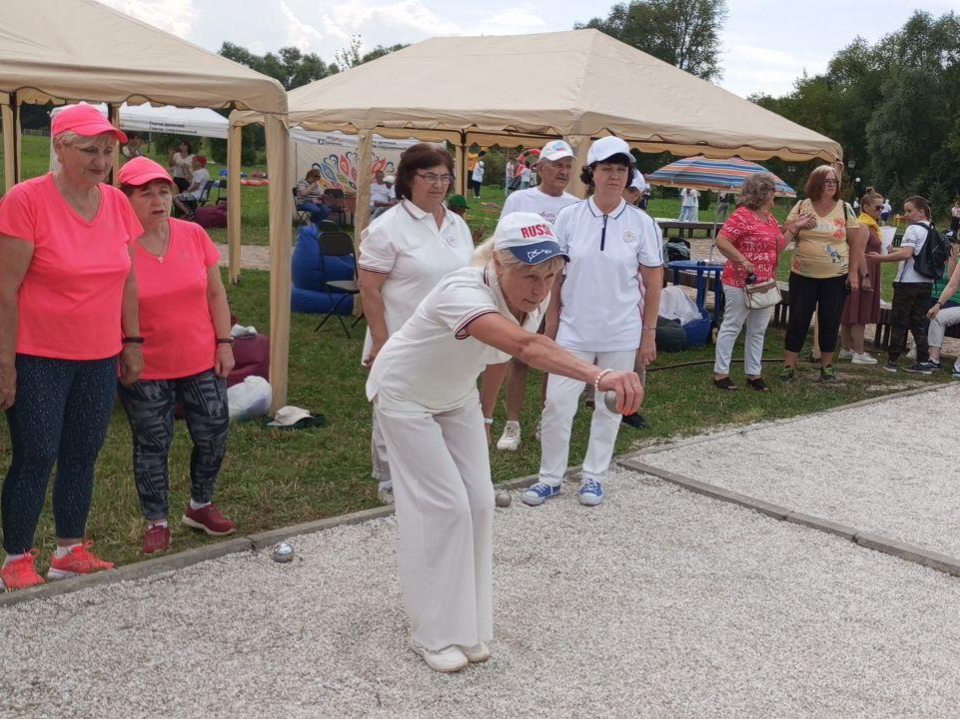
x=831 y=182
x=433 y=178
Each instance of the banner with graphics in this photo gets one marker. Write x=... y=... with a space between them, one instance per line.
x=334 y=154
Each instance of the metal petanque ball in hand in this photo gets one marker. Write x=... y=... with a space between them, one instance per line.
x=610 y=400
x=503 y=498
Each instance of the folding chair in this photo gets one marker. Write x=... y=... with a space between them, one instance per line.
x=333 y=197
x=201 y=201
x=338 y=244
x=302 y=216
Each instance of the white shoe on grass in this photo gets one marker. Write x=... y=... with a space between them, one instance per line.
x=863 y=358
x=846 y=354
x=510 y=440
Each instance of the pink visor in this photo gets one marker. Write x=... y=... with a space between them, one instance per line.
x=142 y=170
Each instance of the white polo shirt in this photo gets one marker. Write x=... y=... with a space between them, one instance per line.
x=405 y=244
x=379 y=192
x=534 y=200
x=431 y=363
x=602 y=288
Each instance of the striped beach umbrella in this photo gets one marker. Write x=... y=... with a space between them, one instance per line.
x=700 y=173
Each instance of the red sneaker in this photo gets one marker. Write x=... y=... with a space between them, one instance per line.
x=79 y=561
x=21 y=573
x=209 y=519
x=156 y=539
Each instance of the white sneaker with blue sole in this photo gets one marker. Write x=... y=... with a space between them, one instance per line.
x=591 y=492
x=539 y=493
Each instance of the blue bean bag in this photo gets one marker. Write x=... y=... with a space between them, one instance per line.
x=309 y=284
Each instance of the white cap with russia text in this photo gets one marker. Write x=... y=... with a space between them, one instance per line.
x=528 y=237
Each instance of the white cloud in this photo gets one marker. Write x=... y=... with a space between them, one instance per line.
x=175 y=16
x=510 y=21
x=299 y=34
x=407 y=15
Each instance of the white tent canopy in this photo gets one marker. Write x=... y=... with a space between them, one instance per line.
x=69 y=50
x=196 y=122
x=578 y=85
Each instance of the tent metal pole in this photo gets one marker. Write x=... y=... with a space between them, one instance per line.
x=281 y=210
x=581 y=146
x=113 y=115
x=234 y=146
x=462 y=171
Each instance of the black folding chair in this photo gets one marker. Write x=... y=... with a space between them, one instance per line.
x=303 y=216
x=333 y=198
x=338 y=244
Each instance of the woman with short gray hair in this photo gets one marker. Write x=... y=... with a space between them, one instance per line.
x=751 y=241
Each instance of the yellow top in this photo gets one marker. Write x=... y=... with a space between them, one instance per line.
x=822 y=251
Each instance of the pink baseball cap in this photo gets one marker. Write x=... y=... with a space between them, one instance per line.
x=84 y=120
x=142 y=170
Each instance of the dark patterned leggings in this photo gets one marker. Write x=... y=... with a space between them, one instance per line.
x=61 y=415
x=149 y=406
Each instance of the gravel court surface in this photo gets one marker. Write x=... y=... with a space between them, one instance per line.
x=659 y=603
x=887 y=468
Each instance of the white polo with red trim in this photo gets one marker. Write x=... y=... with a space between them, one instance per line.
x=432 y=363
x=602 y=289
x=406 y=245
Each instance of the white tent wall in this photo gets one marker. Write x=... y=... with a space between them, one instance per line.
x=336 y=156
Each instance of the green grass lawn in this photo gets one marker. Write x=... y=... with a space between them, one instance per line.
x=272 y=478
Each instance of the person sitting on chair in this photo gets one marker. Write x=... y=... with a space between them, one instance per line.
x=187 y=201
x=309 y=198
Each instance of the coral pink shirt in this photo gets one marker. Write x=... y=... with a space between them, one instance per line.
x=178 y=334
x=71 y=295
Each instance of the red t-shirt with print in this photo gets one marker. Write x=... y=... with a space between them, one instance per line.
x=759 y=241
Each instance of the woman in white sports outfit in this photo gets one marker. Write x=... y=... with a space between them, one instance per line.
x=403 y=255
x=601 y=314
x=423 y=385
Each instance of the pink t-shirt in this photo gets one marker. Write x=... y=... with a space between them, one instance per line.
x=178 y=334
x=760 y=242
x=71 y=295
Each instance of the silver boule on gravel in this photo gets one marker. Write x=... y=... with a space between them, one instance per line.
x=503 y=498
x=610 y=400
x=282 y=552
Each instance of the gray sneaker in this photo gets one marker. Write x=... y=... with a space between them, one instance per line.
x=920 y=368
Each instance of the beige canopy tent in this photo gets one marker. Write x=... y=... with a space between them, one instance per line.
x=69 y=50
x=578 y=85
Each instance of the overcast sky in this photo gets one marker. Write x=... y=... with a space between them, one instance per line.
x=767 y=44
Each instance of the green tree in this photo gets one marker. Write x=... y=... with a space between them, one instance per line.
x=288 y=65
x=684 y=33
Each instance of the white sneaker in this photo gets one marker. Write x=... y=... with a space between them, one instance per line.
x=510 y=440
x=450 y=659
x=846 y=354
x=477 y=653
x=863 y=358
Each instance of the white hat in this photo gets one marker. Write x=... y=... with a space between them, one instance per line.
x=606 y=147
x=390 y=179
x=638 y=182
x=556 y=150
x=289 y=415
x=529 y=237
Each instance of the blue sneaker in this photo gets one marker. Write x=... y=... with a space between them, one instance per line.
x=591 y=492
x=537 y=494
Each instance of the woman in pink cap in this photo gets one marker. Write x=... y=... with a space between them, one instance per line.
x=68 y=310
x=187 y=352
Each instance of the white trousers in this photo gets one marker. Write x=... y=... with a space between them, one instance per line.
x=736 y=314
x=938 y=326
x=378 y=454
x=563 y=397
x=688 y=213
x=444 y=503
